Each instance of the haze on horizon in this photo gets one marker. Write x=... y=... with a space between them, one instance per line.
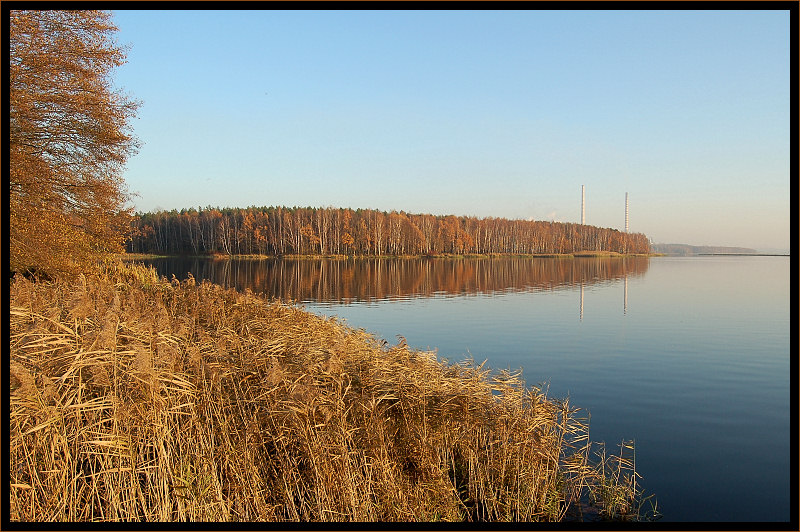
x=476 y=113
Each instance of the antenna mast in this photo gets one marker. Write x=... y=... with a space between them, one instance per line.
x=583 y=206
x=626 y=212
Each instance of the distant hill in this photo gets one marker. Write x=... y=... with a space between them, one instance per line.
x=686 y=249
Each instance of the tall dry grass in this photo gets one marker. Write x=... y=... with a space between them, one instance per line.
x=138 y=399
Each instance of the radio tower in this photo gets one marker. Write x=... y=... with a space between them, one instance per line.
x=583 y=206
x=626 y=212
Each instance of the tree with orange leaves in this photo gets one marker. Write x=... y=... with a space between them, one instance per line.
x=69 y=139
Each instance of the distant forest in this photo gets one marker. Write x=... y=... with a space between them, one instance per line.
x=686 y=249
x=337 y=231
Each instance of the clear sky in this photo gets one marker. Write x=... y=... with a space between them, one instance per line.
x=484 y=113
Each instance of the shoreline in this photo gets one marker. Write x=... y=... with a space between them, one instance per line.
x=738 y=255
x=223 y=256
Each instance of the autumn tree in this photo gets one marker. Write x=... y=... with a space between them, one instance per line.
x=69 y=139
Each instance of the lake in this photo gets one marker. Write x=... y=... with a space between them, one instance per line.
x=688 y=356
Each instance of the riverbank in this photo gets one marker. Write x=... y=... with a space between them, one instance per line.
x=223 y=256
x=136 y=398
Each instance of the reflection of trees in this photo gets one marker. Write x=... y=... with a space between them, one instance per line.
x=369 y=279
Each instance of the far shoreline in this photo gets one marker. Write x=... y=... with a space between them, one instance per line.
x=740 y=255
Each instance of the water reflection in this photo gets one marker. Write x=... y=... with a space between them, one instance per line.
x=625 y=297
x=357 y=280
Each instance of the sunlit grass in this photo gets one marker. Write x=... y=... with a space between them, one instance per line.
x=137 y=398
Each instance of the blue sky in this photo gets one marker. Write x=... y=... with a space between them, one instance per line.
x=484 y=113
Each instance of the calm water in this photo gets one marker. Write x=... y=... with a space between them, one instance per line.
x=687 y=356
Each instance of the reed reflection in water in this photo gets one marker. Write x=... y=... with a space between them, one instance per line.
x=365 y=280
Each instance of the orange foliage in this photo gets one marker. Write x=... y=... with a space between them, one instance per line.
x=68 y=136
x=281 y=230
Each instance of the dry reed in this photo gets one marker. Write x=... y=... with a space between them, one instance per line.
x=134 y=398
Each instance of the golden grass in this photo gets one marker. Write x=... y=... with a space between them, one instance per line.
x=138 y=399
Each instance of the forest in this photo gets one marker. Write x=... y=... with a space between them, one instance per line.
x=364 y=232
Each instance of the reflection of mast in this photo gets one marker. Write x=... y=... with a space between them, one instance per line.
x=581 y=301
x=625 y=304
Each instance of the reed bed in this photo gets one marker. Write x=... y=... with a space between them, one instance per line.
x=134 y=398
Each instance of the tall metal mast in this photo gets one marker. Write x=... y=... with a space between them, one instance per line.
x=626 y=212
x=583 y=206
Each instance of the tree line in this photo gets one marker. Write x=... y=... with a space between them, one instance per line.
x=365 y=232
